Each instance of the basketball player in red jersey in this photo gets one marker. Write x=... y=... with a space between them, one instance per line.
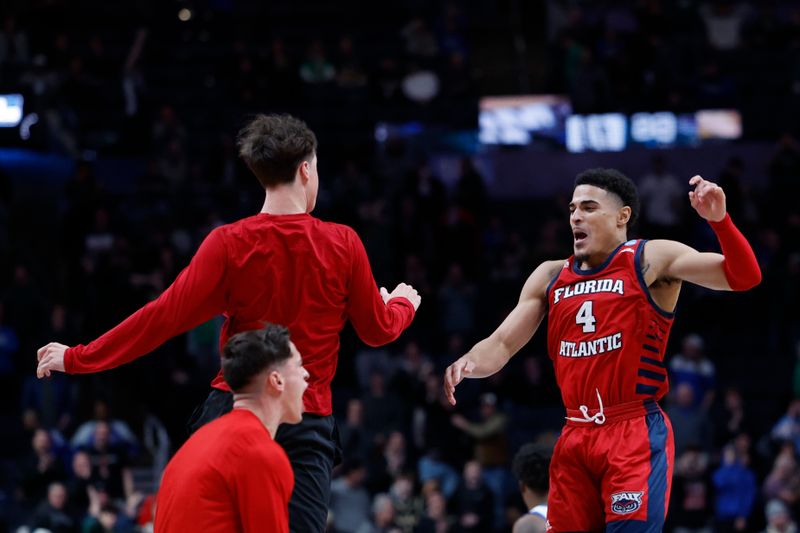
x=610 y=308
x=283 y=266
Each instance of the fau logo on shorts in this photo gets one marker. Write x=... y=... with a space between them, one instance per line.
x=626 y=502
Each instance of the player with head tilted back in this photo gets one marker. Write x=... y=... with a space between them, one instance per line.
x=610 y=308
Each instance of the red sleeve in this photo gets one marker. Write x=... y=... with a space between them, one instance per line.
x=263 y=492
x=741 y=266
x=196 y=296
x=375 y=322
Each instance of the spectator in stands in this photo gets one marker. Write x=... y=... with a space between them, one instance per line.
x=458 y=302
x=662 y=197
x=110 y=462
x=53 y=514
x=779 y=519
x=436 y=519
x=350 y=502
x=382 y=516
x=690 y=422
x=691 y=503
x=724 y=23
x=79 y=484
x=14 y=49
x=408 y=506
x=731 y=419
x=419 y=40
x=491 y=447
x=735 y=488
x=42 y=468
x=691 y=366
x=355 y=439
x=473 y=502
x=787 y=428
x=383 y=411
x=783 y=480
x=316 y=68
x=120 y=433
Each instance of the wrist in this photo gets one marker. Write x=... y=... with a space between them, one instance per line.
x=722 y=223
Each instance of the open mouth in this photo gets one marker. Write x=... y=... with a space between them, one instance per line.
x=579 y=235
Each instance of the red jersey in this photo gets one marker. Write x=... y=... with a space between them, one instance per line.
x=605 y=333
x=230 y=476
x=294 y=270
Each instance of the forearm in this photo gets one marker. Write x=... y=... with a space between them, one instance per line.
x=489 y=356
x=740 y=265
x=379 y=323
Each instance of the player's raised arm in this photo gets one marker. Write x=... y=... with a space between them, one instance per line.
x=492 y=353
x=735 y=269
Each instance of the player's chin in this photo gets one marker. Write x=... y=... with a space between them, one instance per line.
x=297 y=416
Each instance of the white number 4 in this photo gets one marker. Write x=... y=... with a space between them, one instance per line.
x=585 y=317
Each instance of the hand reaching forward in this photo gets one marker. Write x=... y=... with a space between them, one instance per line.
x=456 y=372
x=708 y=199
x=51 y=358
x=405 y=291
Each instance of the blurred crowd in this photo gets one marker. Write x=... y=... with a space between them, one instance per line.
x=75 y=455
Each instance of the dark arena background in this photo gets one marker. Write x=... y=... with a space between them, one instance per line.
x=449 y=134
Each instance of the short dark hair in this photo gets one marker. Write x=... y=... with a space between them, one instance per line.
x=615 y=182
x=249 y=353
x=273 y=146
x=531 y=466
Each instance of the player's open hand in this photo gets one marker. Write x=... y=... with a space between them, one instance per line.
x=708 y=199
x=459 y=370
x=403 y=290
x=51 y=358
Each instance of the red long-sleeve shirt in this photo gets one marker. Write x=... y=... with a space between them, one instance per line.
x=295 y=270
x=230 y=477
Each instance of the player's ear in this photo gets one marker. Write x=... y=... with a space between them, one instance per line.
x=276 y=381
x=304 y=169
x=623 y=215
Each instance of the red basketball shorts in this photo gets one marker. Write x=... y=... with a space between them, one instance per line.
x=614 y=477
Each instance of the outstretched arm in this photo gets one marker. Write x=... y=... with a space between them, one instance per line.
x=492 y=353
x=735 y=269
x=196 y=296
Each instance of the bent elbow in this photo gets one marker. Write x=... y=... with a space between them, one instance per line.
x=378 y=340
x=747 y=283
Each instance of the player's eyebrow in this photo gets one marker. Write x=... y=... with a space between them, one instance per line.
x=584 y=203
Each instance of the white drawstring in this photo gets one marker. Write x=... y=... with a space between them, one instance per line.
x=598 y=418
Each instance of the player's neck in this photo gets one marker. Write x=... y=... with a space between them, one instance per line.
x=286 y=199
x=271 y=418
x=532 y=499
x=595 y=260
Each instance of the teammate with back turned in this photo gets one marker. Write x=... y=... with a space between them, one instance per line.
x=610 y=308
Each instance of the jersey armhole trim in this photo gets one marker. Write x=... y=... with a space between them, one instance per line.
x=637 y=265
x=550 y=286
